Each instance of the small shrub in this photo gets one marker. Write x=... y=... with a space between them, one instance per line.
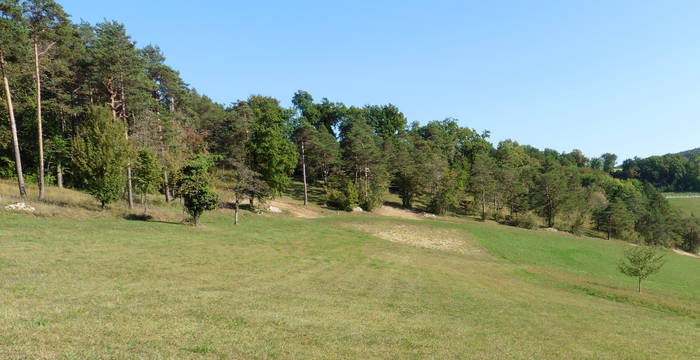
x=336 y=199
x=526 y=221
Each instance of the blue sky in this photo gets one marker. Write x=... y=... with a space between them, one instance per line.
x=600 y=76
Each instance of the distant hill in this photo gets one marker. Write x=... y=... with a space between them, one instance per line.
x=686 y=154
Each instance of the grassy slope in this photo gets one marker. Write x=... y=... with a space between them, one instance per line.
x=280 y=287
x=686 y=206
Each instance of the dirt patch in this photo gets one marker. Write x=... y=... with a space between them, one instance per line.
x=296 y=209
x=392 y=211
x=422 y=236
x=681 y=252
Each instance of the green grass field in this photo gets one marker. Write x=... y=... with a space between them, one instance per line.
x=339 y=286
x=687 y=206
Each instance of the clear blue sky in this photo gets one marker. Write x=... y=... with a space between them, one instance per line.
x=617 y=76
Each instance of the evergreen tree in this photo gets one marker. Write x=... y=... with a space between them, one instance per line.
x=11 y=38
x=99 y=152
x=44 y=17
x=615 y=219
x=270 y=152
x=482 y=180
x=550 y=190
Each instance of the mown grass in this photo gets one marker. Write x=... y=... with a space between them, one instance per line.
x=278 y=287
x=686 y=206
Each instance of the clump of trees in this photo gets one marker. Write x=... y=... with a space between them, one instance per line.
x=72 y=91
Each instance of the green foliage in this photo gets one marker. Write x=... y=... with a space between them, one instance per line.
x=346 y=199
x=525 y=220
x=443 y=193
x=691 y=235
x=193 y=186
x=616 y=220
x=640 y=262
x=270 y=152
x=99 y=153
x=146 y=173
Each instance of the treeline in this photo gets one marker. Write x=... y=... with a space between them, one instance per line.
x=671 y=172
x=93 y=111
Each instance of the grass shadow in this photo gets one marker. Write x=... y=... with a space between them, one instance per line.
x=138 y=217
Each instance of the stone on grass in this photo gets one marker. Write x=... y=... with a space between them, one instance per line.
x=20 y=207
x=357 y=209
x=274 y=209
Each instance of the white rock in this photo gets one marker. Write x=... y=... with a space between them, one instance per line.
x=20 y=207
x=428 y=215
x=274 y=209
x=357 y=209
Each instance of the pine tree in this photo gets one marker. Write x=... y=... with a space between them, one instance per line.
x=99 y=152
x=11 y=38
x=44 y=17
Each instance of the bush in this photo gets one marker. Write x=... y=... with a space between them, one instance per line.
x=526 y=221
x=343 y=200
x=336 y=199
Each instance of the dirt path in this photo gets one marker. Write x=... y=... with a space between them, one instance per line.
x=296 y=209
x=681 y=252
x=391 y=211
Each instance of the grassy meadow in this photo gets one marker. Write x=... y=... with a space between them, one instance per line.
x=687 y=206
x=78 y=283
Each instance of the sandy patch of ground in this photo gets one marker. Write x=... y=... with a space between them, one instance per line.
x=296 y=209
x=681 y=252
x=421 y=236
x=391 y=211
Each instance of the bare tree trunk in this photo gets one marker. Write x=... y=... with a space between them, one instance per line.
x=639 y=285
x=196 y=221
x=59 y=175
x=483 y=205
x=13 y=128
x=38 y=120
x=112 y=97
x=235 y=221
x=303 y=168
x=122 y=99
x=168 y=196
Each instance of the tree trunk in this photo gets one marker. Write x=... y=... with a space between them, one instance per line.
x=235 y=221
x=13 y=129
x=122 y=110
x=196 y=221
x=303 y=168
x=639 y=285
x=483 y=205
x=59 y=175
x=168 y=196
x=38 y=120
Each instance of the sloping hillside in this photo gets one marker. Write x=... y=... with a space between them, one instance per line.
x=336 y=285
